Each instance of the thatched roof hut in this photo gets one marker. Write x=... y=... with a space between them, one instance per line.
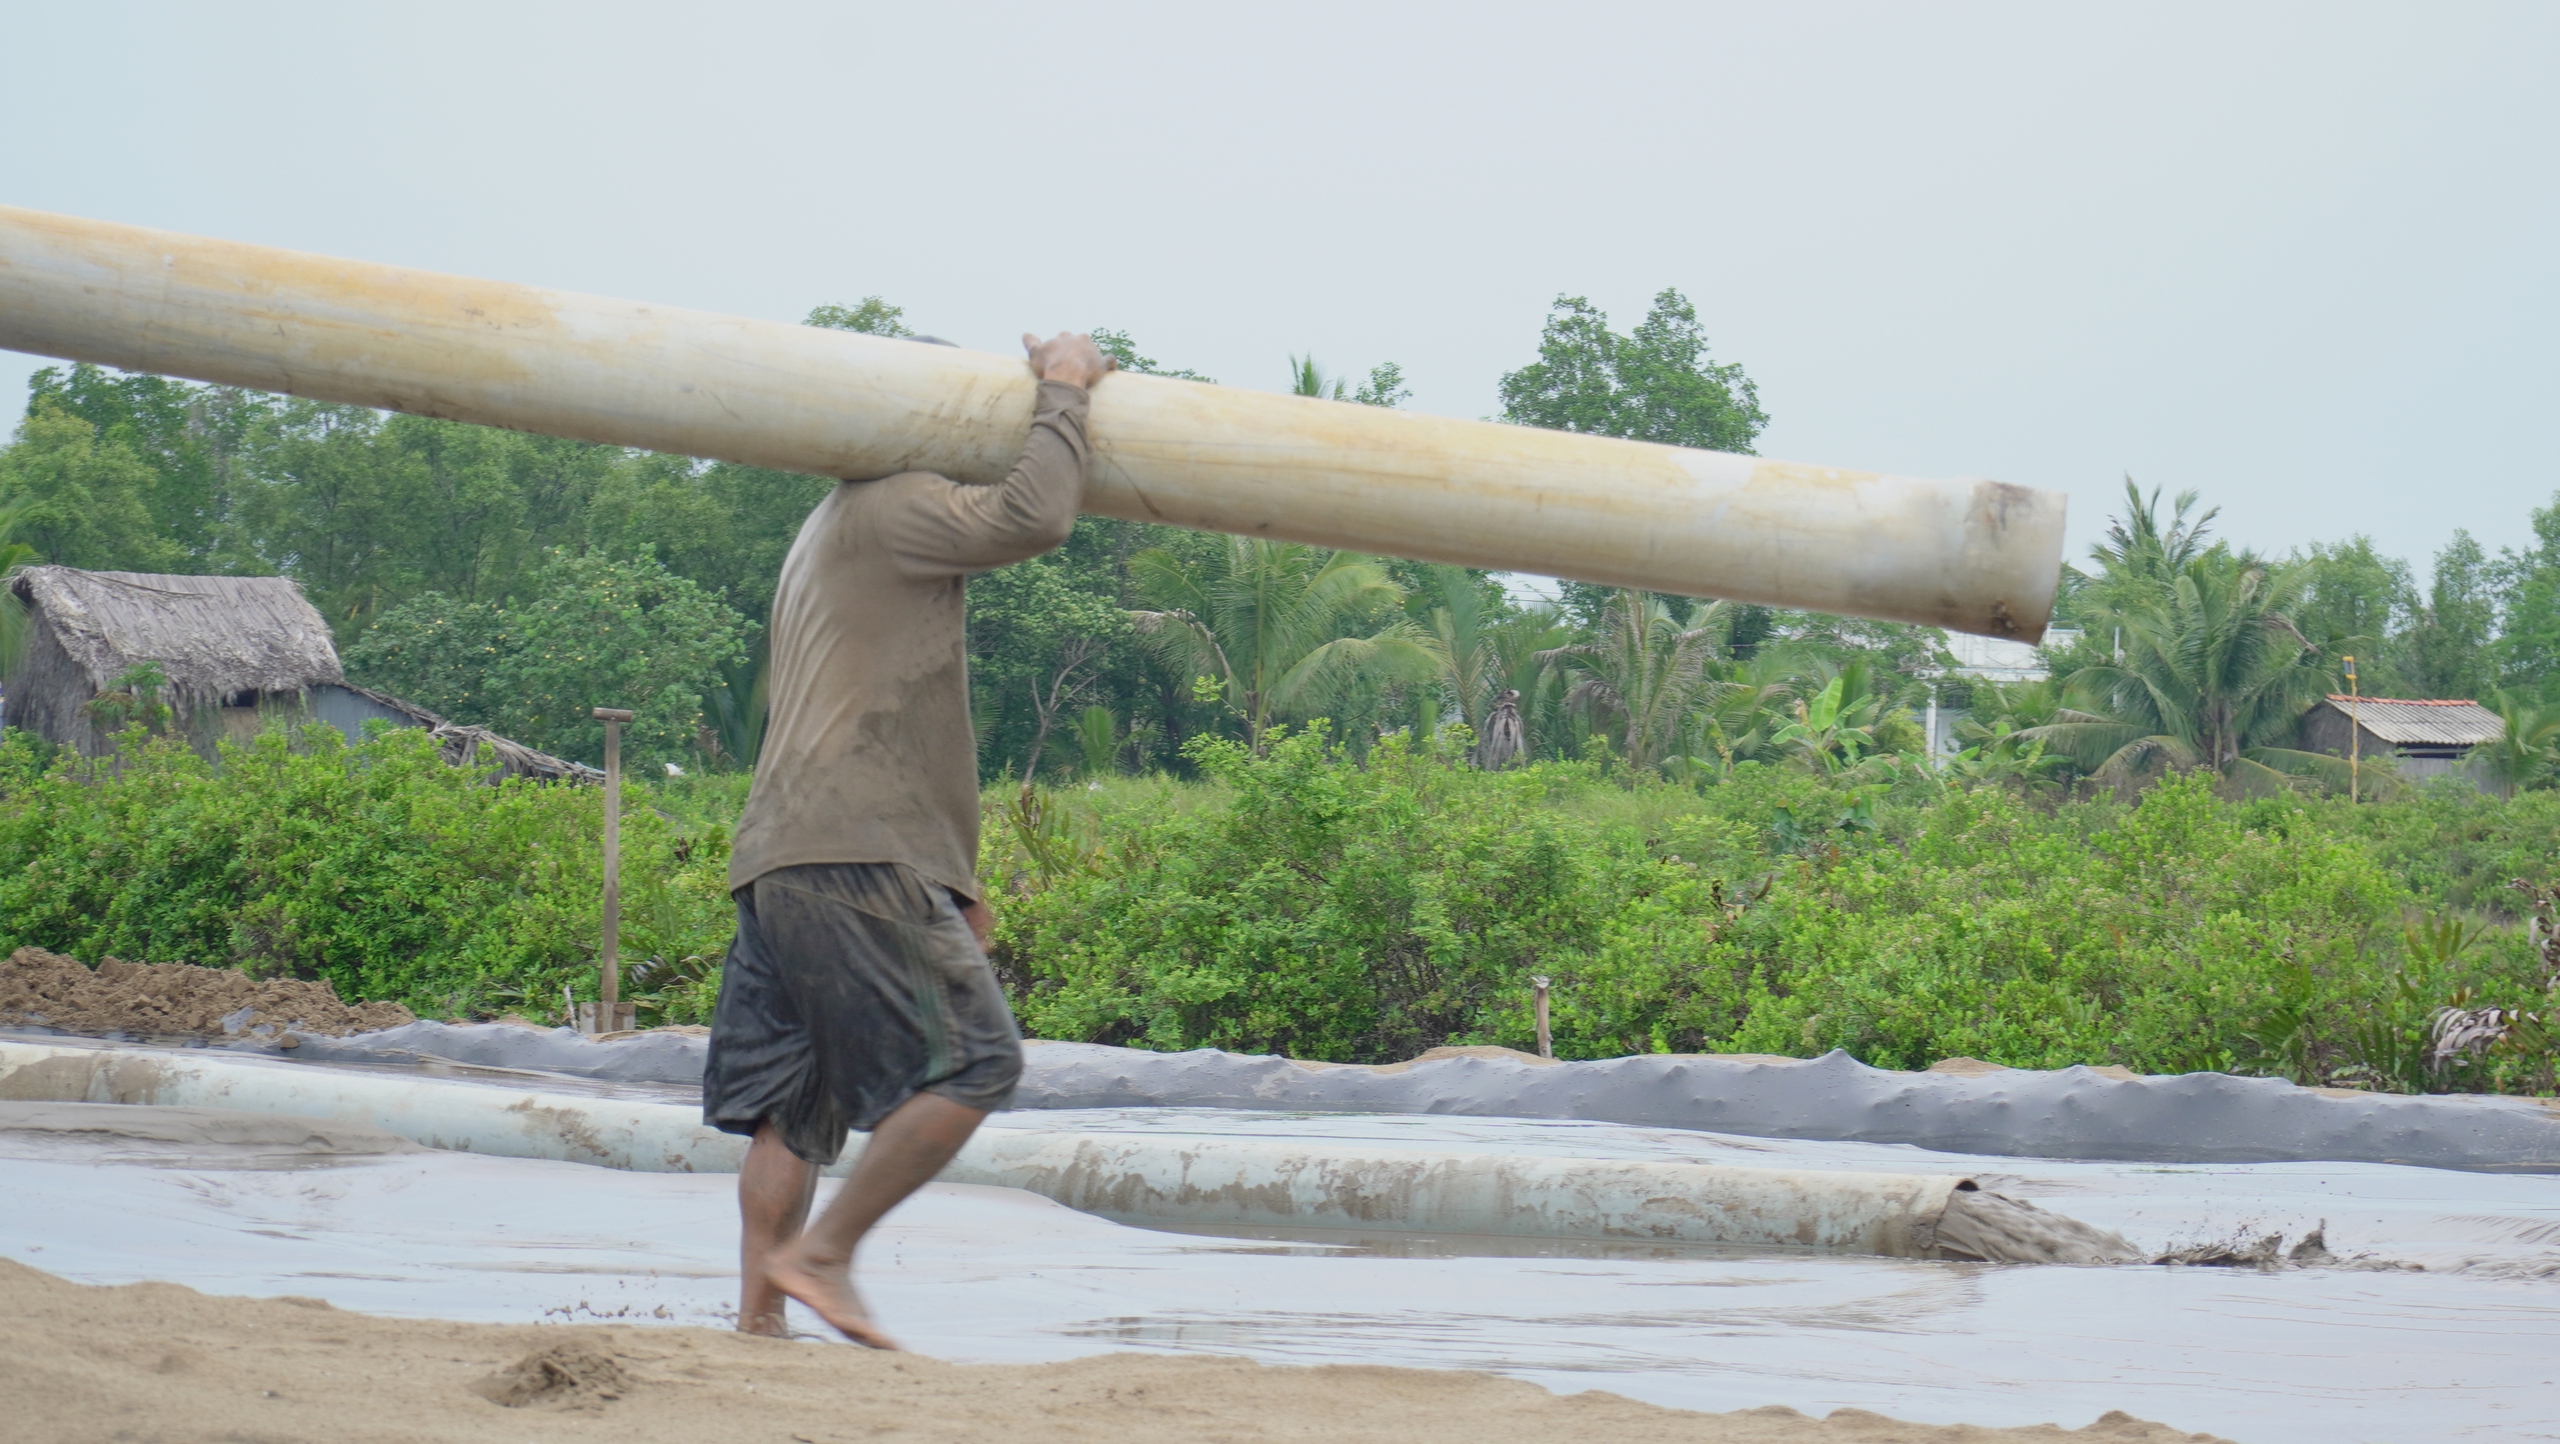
x=233 y=654
x=218 y=643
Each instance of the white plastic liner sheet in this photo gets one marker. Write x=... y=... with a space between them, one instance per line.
x=1134 y=1177
x=2469 y=1349
x=2066 y=1113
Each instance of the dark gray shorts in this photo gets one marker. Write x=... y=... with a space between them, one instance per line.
x=850 y=988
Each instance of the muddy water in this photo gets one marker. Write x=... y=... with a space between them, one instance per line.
x=1986 y=1227
x=2460 y=1350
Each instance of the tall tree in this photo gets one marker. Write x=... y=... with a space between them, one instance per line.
x=594 y=632
x=79 y=500
x=1042 y=633
x=2354 y=604
x=1385 y=386
x=336 y=506
x=1118 y=346
x=2141 y=557
x=189 y=437
x=1655 y=383
x=2527 y=652
x=2446 y=650
x=873 y=317
x=15 y=556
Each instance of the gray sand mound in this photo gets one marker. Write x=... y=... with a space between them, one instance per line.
x=185 y=1137
x=175 y=1000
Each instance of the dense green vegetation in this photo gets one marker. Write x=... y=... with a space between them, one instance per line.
x=1298 y=901
x=375 y=867
x=1260 y=795
x=1361 y=909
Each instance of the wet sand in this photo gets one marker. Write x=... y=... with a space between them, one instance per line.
x=159 y=1361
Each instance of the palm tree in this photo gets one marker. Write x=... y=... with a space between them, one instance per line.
x=2214 y=673
x=1493 y=663
x=1742 y=718
x=1308 y=379
x=2524 y=751
x=737 y=703
x=2140 y=559
x=1521 y=644
x=1460 y=632
x=1647 y=669
x=1385 y=386
x=2007 y=708
x=1267 y=624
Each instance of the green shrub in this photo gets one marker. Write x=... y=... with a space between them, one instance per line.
x=1306 y=902
x=1328 y=910
x=1361 y=913
x=2176 y=940
x=373 y=866
x=2455 y=846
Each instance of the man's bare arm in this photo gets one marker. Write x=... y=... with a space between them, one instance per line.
x=952 y=530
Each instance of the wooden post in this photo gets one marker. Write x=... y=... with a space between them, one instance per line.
x=2355 y=739
x=612 y=1014
x=1546 y=1045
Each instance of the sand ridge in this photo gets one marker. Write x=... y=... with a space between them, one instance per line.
x=137 y=1133
x=158 y=1361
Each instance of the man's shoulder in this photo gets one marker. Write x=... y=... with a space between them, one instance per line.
x=855 y=499
x=897 y=488
x=848 y=521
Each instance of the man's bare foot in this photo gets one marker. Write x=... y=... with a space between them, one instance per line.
x=829 y=1293
x=771 y=1325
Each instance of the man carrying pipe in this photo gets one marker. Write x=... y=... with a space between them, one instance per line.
x=856 y=995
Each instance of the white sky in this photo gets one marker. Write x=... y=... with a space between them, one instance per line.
x=2299 y=257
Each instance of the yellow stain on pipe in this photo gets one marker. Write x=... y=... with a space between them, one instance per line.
x=1969 y=555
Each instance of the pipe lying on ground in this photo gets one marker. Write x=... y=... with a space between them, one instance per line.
x=1974 y=556
x=1134 y=1179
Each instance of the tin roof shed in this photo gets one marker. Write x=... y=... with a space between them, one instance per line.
x=2430 y=725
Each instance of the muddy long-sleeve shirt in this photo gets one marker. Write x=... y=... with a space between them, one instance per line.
x=868 y=753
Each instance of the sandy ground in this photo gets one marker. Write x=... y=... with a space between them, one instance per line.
x=146 y=1363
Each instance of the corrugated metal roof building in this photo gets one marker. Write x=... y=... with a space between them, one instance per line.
x=2424 y=738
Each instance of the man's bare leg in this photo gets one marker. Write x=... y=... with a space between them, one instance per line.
x=774 y=1189
x=908 y=1148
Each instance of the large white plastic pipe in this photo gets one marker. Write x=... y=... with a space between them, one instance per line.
x=1974 y=556
x=1132 y=1178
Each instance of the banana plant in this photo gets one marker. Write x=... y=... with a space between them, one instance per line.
x=1831 y=736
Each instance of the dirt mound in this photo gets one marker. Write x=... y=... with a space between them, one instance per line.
x=175 y=999
x=563 y=1376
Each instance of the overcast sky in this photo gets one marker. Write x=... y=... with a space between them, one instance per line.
x=2299 y=258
